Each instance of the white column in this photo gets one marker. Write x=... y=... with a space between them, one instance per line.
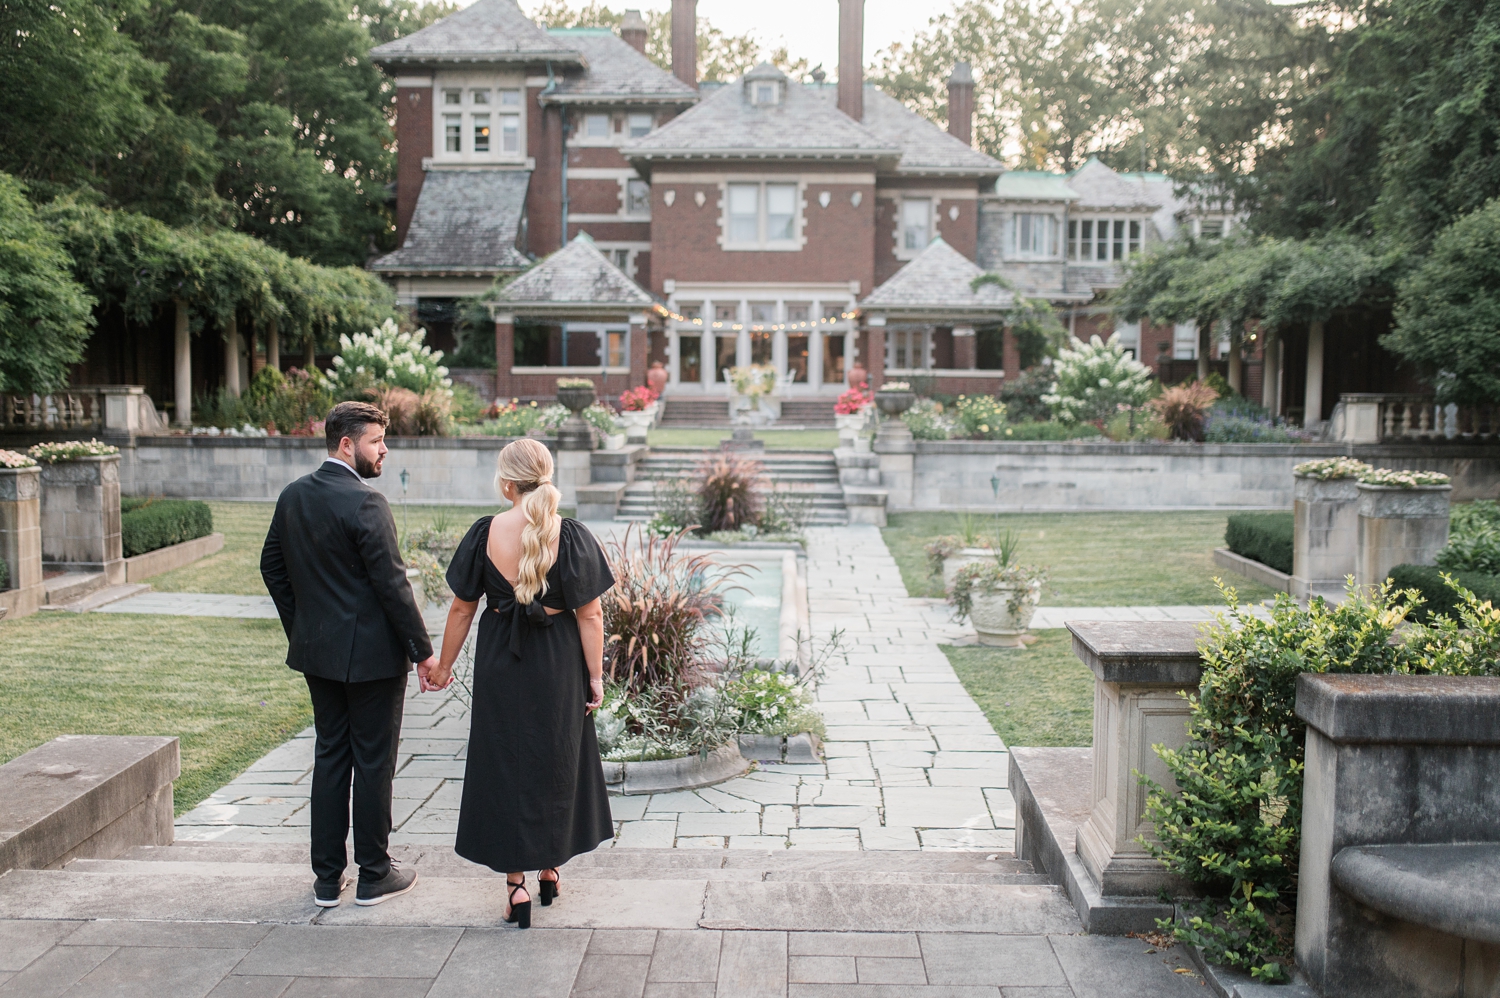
x=1313 y=400
x=273 y=345
x=815 y=357
x=182 y=366
x=1270 y=371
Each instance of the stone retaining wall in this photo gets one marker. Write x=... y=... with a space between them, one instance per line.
x=991 y=475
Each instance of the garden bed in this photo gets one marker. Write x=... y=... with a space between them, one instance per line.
x=686 y=773
x=172 y=557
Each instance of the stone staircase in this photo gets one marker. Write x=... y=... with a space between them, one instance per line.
x=813 y=474
x=861 y=891
x=80 y=592
x=809 y=413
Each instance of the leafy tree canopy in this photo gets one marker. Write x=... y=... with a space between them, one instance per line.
x=45 y=317
x=1449 y=310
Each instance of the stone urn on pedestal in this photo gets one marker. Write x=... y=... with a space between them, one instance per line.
x=998 y=599
x=575 y=433
x=894 y=444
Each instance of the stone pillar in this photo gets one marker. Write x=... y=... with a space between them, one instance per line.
x=965 y=354
x=273 y=345
x=1270 y=379
x=1205 y=346
x=1140 y=671
x=638 y=349
x=1313 y=397
x=21 y=539
x=1400 y=527
x=182 y=355
x=1011 y=355
x=1399 y=782
x=232 y=356
x=1236 y=361
x=1326 y=537
x=122 y=410
x=897 y=450
x=875 y=352
x=505 y=352
x=81 y=516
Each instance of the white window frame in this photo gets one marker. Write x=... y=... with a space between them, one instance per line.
x=453 y=134
x=590 y=120
x=633 y=186
x=905 y=230
x=639 y=123
x=1129 y=232
x=915 y=340
x=485 y=100
x=762 y=242
x=483 y=133
x=1024 y=233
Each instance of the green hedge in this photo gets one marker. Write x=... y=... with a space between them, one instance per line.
x=150 y=524
x=1441 y=600
x=1262 y=537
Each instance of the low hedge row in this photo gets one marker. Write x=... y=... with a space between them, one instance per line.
x=1441 y=600
x=1262 y=537
x=152 y=524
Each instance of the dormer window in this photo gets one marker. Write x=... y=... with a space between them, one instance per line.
x=640 y=124
x=765 y=93
x=596 y=126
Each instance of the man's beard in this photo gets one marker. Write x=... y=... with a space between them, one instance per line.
x=365 y=467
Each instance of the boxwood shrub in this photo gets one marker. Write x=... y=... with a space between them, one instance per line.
x=150 y=524
x=1441 y=600
x=1262 y=537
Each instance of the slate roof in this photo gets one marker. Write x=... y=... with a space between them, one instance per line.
x=925 y=148
x=1099 y=187
x=487 y=31
x=938 y=280
x=616 y=72
x=803 y=124
x=578 y=274
x=465 y=221
x=1034 y=185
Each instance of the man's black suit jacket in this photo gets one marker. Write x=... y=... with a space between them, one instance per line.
x=332 y=566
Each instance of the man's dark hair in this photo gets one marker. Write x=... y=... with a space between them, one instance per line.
x=349 y=419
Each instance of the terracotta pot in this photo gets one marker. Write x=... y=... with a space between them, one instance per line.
x=858 y=375
x=656 y=378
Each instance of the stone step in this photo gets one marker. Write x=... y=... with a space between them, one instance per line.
x=96 y=598
x=70 y=586
x=611 y=888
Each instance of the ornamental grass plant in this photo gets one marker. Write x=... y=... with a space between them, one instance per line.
x=1233 y=827
x=729 y=492
x=1184 y=409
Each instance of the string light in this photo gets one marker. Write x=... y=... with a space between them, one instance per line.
x=736 y=327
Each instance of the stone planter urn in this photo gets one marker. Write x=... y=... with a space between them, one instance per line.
x=637 y=423
x=997 y=625
x=967 y=556
x=1400 y=526
x=1326 y=536
x=615 y=441
x=575 y=432
x=893 y=404
x=575 y=399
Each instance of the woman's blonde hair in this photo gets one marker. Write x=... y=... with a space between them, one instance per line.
x=527 y=464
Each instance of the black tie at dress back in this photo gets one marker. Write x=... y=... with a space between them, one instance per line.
x=534 y=794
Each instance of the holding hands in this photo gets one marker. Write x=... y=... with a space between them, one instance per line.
x=432 y=676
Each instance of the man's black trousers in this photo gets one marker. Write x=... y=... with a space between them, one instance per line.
x=359 y=726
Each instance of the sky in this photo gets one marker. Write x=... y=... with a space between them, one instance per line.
x=808 y=27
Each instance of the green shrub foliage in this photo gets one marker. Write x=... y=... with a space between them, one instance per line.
x=1262 y=537
x=151 y=524
x=1439 y=598
x=1234 y=827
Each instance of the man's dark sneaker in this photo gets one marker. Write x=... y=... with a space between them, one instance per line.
x=326 y=892
x=393 y=884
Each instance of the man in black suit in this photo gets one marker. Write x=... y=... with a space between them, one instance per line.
x=332 y=566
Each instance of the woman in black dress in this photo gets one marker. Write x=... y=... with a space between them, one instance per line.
x=534 y=794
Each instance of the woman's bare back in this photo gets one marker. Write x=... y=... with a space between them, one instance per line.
x=504 y=548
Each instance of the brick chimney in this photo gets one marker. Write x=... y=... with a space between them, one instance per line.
x=633 y=30
x=961 y=104
x=685 y=41
x=852 y=58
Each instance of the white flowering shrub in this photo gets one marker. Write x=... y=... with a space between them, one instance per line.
x=385 y=357
x=1094 y=380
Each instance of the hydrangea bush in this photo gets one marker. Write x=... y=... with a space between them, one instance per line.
x=71 y=450
x=1093 y=379
x=388 y=357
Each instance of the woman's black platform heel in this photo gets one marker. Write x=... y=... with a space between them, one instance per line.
x=520 y=911
x=548 y=887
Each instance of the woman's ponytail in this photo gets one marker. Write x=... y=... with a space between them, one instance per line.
x=527 y=464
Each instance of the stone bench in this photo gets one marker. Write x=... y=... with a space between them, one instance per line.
x=1400 y=871
x=86 y=797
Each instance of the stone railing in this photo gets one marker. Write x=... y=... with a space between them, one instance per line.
x=119 y=410
x=1371 y=418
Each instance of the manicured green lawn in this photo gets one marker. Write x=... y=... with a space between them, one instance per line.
x=222 y=686
x=1036 y=696
x=236 y=569
x=775 y=439
x=1096 y=559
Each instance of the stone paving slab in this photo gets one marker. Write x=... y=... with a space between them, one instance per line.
x=455 y=962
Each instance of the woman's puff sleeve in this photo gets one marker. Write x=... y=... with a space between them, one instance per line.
x=584 y=569
x=466 y=570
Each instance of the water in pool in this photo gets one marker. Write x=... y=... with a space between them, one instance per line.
x=756 y=598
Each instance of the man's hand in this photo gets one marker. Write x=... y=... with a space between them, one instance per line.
x=432 y=677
